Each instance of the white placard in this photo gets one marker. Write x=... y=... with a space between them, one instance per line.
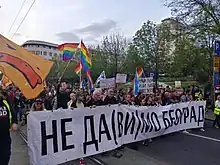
x=107 y=83
x=178 y=84
x=146 y=85
x=64 y=135
x=121 y=78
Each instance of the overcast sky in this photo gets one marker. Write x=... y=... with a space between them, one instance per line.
x=61 y=21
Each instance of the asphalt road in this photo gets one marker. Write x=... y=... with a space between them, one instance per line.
x=196 y=148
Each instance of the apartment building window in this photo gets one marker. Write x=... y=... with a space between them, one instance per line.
x=38 y=52
x=45 y=53
x=50 y=54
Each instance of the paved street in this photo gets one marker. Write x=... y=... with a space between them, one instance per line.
x=19 y=150
x=182 y=149
x=196 y=148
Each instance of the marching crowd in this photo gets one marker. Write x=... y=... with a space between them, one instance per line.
x=66 y=96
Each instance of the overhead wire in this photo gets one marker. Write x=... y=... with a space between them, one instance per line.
x=24 y=18
x=17 y=16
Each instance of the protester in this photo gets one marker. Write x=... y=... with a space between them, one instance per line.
x=38 y=105
x=79 y=100
x=72 y=102
x=110 y=97
x=8 y=120
x=97 y=98
x=62 y=97
x=217 y=113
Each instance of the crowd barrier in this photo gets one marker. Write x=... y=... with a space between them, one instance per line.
x=64 y=135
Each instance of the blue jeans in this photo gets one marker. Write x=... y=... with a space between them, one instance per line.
x=20 y=112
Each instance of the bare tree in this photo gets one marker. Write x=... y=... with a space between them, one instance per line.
x=190 y=11
x=114 y=46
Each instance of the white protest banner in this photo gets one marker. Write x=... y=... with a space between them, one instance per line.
x=107 y=83
x=146 y=85
x=64 y=135
x=121 y=78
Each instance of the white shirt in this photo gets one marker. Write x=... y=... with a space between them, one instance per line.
x=79 y=105
x=217 y=103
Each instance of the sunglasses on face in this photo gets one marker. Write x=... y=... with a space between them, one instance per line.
x=38 y=103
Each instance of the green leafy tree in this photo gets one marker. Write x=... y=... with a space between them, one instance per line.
x=190 y=61
x=58 y=70
x=152 y=44
x=133 y=59
x=99 y=61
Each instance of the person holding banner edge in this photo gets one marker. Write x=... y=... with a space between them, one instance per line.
x=8 y=121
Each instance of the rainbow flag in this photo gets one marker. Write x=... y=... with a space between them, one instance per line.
x=140 y=72
x=90 y=82
x=78 y=68
x=85 y=58
x=68 y=50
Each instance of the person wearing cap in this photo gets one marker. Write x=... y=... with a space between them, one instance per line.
x=8 y=121
x=38 y=105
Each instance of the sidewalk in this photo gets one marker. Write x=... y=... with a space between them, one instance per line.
x=19 y=154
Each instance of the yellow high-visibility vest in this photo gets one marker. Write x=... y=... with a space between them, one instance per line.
x=217 y=110
x=9 y=109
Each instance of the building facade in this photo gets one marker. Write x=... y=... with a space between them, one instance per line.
x=172 y=32
x=41 y=48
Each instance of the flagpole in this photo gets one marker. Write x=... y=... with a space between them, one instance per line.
x=80 y=78
x=80 y=74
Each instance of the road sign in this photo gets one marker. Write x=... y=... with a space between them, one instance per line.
x=152 y=74
x=217 y=48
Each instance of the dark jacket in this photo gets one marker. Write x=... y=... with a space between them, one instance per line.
x=5 y=119
x=62 y=98
x=110 y=100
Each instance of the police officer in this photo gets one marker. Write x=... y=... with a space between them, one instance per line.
x=217 y=113
x=7 y=121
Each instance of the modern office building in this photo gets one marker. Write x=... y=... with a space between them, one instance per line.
x=41 y=48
